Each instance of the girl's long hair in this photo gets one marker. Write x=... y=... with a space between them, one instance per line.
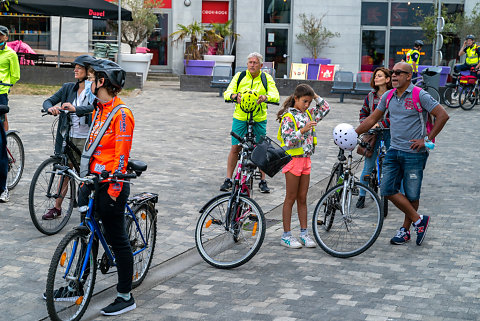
x=300 y=91
x=386 y=72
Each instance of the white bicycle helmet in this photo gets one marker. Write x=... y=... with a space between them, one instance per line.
x=345 y=136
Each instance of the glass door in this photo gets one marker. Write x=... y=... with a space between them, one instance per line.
x=373 y=49
x=157 y=42
x=276 y=50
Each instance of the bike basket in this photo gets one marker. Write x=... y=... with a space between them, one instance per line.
x=269 y=156
x=468 y=80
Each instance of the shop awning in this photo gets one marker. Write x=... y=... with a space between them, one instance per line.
x=87 y=9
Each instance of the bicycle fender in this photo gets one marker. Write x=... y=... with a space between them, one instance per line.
x=213 y=200
x=11 y=131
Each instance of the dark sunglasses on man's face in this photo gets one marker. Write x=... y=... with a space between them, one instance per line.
x=399 y=72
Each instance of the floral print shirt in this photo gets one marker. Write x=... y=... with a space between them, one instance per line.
x=294 y=138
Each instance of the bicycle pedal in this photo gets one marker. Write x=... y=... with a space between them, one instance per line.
x=253 y=217
x=104 y=264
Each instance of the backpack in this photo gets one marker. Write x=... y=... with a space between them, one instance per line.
x=262 y=77
x=418 y=106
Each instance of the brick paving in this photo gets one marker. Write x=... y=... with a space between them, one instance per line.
x=183 y=136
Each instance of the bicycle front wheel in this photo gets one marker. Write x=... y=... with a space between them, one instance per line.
x=451 y=96
x=16 y=159
x=433 y=92
x=142 y=240
x=44 y=191
x=228 y=246
x=352 y=232
x=68 y=292
x=468 y=97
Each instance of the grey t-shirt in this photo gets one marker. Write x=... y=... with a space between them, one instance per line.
x=405 y=123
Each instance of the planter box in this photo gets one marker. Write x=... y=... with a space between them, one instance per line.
x=314 y=65
x=199 y=67
x=139 y=63
x=221 y=60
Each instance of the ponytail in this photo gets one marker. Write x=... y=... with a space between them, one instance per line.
x=289 y=102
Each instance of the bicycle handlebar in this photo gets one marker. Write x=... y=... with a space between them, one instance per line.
x=377 y=130
x=240 y=139
x=266 y=102
x=106 y=174
x=46 y=112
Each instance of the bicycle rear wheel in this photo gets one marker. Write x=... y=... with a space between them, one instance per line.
x=433 y=92
x=16 y=159
x=230 y=246
x=43 y=193
x=142 y=251
x=335 y=174
x=468 y=97
x=373 y=183
x=352 y=232
x=451 y=96
x=67 y=293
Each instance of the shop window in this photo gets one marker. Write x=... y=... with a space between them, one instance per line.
x=373 y=49
x=33 y=30
x=408 y=13
x=103 y=31
x=401 y=41
x=277 y=11
x=374 y=14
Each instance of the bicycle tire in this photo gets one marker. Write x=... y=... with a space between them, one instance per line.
x=337 y=169
x=16 y=159
x=451 y=96
x=224 y=247
x=433 y=92
x=69 y=257
x=147 y=221
x=39 y=201
x=468 y=97
x=343 y=239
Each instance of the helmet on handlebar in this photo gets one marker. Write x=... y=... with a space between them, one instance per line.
x=470 y=37
x=418 y=43
x=249 y=101
x=345 y=136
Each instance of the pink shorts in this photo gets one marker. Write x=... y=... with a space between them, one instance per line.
x=298 y=166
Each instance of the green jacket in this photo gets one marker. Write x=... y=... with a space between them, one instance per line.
x=9 y=68
x=256 y=84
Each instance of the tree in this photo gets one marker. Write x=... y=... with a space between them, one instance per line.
x=468 y=25
x=144 y=21
x=223 y=36
x=194 y=32
x=315 y=36
x=429 y=25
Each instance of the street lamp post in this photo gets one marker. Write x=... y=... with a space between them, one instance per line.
x=119 y=37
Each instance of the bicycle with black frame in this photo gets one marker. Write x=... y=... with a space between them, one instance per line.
x=51 y=188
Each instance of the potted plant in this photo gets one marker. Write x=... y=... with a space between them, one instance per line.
x=135 y=32
x=221 y=40
x=193 y=32
x=314 y=37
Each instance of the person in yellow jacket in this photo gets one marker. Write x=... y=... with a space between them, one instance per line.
x=472 y=51
x=412 y=57
x=264 y=85
x=9 y=74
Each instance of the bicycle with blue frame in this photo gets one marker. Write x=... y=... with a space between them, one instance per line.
x=72 y=273
x=15 y=152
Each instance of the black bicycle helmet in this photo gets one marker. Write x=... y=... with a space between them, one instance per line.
x=418 y=43
x=470 y=37
x=115 y=74
x=4 y=30
x=83 y=60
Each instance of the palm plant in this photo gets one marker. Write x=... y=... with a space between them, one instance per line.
x=194 y=32
x=224 y=37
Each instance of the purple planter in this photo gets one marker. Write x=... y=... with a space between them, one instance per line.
x=199 y=67
x=313 y=65
x=443 y=74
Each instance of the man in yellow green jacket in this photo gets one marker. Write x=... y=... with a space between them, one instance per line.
x=10 y=74
x=264 y=85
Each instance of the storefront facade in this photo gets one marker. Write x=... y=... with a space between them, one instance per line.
x=372 y=32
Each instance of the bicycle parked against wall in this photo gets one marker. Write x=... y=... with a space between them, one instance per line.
x=340 y=228
x=15 y=153
x=48 y=185
x=73 y=269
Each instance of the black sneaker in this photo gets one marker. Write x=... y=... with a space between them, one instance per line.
x=63 y=294
x=119 y=306
x=227 y=185
x=263 y=186
x=360 y=202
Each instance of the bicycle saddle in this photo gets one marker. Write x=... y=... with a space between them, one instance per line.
x=136 y=165
x=4 y=109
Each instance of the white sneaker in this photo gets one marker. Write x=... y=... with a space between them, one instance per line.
x=291 y=242
x=307 y=241
x=4 y=196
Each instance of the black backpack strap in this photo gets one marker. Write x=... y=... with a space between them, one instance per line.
x=242 y=75
x=262 y=77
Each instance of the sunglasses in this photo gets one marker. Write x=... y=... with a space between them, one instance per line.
x=399 y=72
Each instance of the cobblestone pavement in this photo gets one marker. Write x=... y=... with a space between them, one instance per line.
x=183 y=136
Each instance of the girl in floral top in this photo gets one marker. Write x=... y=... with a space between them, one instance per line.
x=297 y=133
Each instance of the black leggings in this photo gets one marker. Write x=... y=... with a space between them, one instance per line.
x=112 y=214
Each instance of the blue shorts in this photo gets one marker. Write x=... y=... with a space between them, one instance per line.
x=239 y=127
x=398 y=166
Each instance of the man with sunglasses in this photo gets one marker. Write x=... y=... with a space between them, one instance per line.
x=407 y=156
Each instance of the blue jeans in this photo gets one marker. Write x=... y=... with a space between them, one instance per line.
x=3 y=149
x=371 y=162
x=398 y=166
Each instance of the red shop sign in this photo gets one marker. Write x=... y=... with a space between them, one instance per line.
x=214 y=11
